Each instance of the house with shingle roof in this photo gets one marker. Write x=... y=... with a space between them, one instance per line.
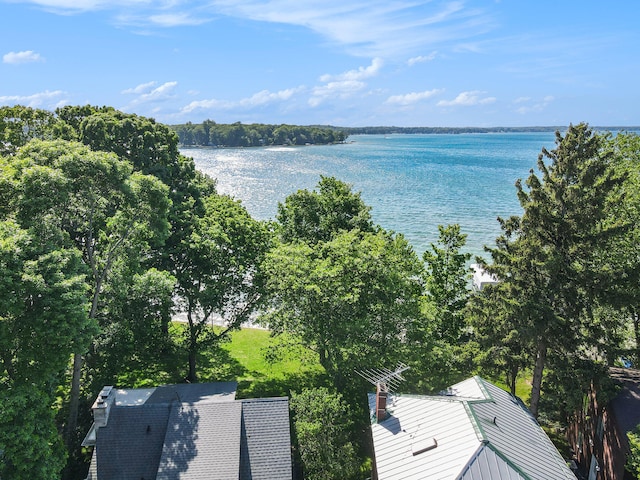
x=472 y=431
x=189 y=432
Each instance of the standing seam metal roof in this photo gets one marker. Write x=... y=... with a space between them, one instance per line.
x=489 y=434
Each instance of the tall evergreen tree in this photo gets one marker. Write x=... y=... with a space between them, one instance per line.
x=549 y=259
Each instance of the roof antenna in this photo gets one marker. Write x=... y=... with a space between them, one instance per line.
x=383 y=379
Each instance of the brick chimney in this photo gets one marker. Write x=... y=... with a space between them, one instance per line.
x=381 y=402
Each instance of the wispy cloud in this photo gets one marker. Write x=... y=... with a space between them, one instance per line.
x=344 y=85
x=361 y=73
x=467 y=99
x=414 y=97
x=527 y=105
x=44 y=99
x=370 y=28
x=77 y=6
x=422 y=58
x=27 y=56
x=140 y=89
x=147 y=94
x=264 y=97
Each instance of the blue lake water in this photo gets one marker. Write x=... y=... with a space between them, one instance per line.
x=412 y=182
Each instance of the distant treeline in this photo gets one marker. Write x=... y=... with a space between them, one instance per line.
x=210 y=133
x=430 y=130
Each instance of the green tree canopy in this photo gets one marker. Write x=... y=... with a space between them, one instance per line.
x=349 y=293
x=550 y=258
x=219 y=272
x=106 y=211
x=322 y=426
x=319 y=215
x=44 y=319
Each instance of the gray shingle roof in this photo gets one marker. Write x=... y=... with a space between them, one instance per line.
x=265 y=450
x=193 y=432
x=202 y=441
x=130 y=445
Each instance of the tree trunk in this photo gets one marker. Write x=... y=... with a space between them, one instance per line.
x=191 y=377
x=78 y=360
x=636 y=330
x=536 y=383
x=512 y=379
x=193 y=346
x=74 y=400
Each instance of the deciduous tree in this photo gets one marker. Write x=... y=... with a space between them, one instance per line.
x=322 y=426
x=44 y=319
x=218 y=272
x=106 y=211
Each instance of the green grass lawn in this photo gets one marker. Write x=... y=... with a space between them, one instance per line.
x=252 y=357
x=260 y=363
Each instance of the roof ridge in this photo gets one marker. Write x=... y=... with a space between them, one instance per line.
x=508 y=461
x=266 y=399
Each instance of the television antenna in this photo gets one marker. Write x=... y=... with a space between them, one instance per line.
x=383 y=379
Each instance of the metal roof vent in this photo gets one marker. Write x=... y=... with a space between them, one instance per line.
x=423 y=446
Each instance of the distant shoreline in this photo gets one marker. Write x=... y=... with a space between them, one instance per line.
x=458 y=130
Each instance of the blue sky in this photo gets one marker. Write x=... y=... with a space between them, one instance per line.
x=339 y=62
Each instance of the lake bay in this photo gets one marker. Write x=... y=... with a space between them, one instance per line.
x=412 y=182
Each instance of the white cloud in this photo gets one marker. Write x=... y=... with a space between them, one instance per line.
x=370 y=28
x=414 y=97
x=149 y=95
x=373 y=27
x=70 y=6
x=142 y=88
x=360 y=73
x=265 y=97
x=335 y=90
x=42 y=99
x=27 y=56
x=344 y=85
x=467 y=99
x=261 y=98
x=176 y=19
x=421 y=59
x=528 y=106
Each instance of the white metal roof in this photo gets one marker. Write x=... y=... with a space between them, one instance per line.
x=473 y=431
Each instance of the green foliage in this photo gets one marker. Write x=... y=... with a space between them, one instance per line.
x=237 y=134
x=322 y=426
x=318 y=216
x=436 y=348
x=30 y=446
x=19 y=124
x=351 y=299
x=551 y=261
x=633 y=460
x=347 y=289
x=43 y=321
x=218 y=271
x=447 y=280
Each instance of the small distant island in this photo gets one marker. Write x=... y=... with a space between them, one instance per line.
x=212 y=134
